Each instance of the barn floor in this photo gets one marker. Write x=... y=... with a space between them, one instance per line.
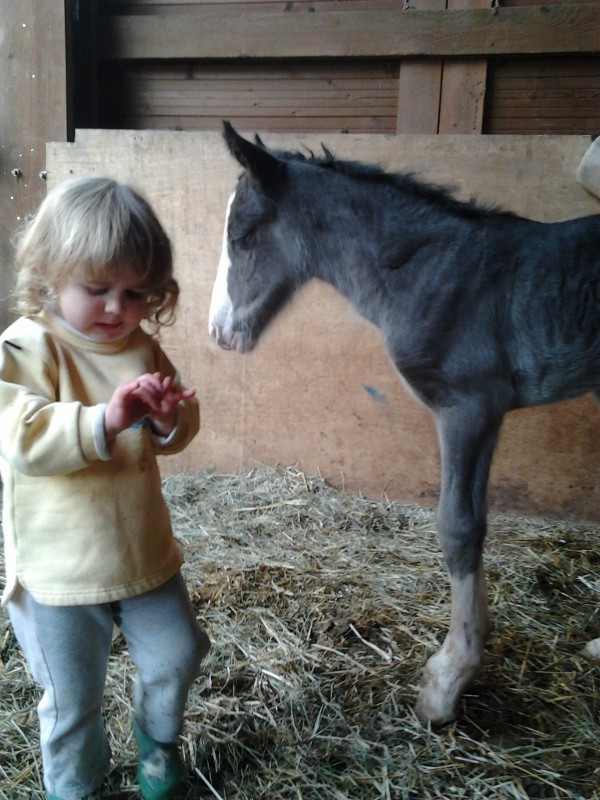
x=323 y=608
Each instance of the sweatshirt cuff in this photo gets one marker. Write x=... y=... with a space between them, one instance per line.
x=158 y=437
x=103 y=449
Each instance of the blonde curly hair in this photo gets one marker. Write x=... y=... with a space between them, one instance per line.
x=100 y=225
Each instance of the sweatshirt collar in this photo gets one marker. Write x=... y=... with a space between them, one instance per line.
x=61 y=328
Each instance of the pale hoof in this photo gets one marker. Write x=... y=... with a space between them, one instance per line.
x=434 y=707
x=592 y=650
x=442 y=688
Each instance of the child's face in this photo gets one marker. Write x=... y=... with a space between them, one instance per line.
x=103 y=308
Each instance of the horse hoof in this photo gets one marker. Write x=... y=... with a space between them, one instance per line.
x=431 y=708
x=592 y=650
x=445 y=678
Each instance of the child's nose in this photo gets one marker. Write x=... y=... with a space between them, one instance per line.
x=114 y=303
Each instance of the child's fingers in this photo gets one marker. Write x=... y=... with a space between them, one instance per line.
x=148 y=396
x=126 y=390
x=151 y=381
x=156 y=392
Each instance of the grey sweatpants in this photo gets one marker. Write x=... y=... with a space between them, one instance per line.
x=67 y=650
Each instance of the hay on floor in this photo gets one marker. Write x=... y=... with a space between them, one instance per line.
x=323 y=608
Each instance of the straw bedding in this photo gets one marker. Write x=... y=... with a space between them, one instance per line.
x=322 y=608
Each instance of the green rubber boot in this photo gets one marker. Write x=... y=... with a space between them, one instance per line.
x=158 y=768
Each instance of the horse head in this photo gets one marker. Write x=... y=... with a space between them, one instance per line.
x=258 y=265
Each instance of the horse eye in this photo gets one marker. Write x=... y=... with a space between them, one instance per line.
x=245 y=241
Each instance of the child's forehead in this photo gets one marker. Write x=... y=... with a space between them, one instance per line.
x=111 y=273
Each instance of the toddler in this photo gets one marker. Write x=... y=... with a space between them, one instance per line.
x=87 y=401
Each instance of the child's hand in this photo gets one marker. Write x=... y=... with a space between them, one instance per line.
x=150 y=395
x=163 y=414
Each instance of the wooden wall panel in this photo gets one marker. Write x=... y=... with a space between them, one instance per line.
x=538 y=95
x=356 y=96
x=341 y=65
x=319 y=391
x=33 y=109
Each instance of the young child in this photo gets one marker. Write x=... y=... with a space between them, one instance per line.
x=87 y=401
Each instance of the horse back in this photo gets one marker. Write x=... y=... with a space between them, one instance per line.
x=512 y=304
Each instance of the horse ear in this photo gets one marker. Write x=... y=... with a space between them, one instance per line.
x=268 y=170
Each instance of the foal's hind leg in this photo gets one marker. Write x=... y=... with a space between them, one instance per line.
x=592 y=648
x=467 y=436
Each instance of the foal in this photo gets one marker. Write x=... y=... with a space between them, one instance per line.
x=480 y=311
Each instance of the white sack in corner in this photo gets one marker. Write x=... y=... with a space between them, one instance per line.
x=588 y=171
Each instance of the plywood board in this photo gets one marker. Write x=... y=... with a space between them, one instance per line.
x=318 y=392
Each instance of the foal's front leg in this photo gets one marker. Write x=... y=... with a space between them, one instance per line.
x=467 y=438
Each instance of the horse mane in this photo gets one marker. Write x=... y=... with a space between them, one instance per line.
x=441 y=196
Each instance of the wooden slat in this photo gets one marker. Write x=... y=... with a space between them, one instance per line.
x=549 y=106
x=463 y=93
x=365 y=123
x=242 y=6
x=202 y=34
x=420 y=78
x=547 y=87
x=518 y=126
x=535 y=67
x=419 y=95
x=242 y=87
x=312 y=103
x=463 y=86
x=328 y=73
x=261 y=107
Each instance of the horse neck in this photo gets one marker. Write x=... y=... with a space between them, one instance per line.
x=332 y=230
x=349 y=247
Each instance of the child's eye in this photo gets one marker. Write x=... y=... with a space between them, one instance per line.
x=135 y=294
x=96 y=291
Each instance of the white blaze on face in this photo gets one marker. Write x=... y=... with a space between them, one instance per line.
x=220 y=313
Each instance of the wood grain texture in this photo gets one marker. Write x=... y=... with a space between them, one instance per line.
x=463 y=86
x=388 y=33
x=33 y=109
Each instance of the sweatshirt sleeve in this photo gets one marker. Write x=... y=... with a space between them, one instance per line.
x=38 y=434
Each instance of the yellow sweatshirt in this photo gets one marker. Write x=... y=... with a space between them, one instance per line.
x=82 y=524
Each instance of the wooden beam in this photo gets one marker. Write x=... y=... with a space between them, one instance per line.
x=463 y=87
x=422 y=78
x=523 y=30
